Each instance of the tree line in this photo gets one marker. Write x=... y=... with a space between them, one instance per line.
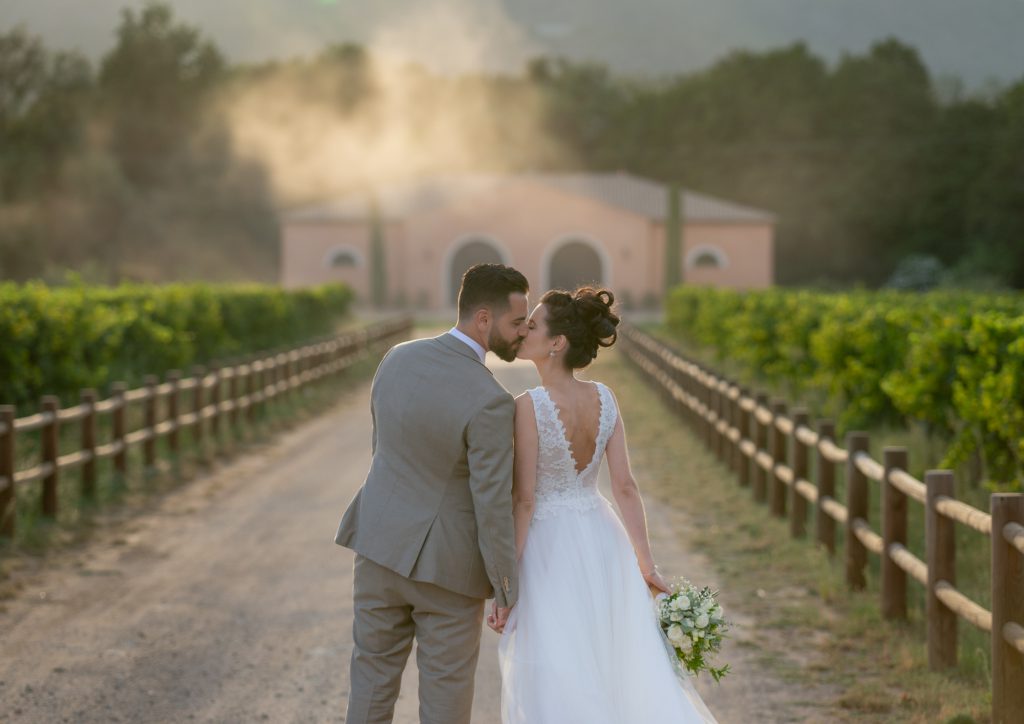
x=129 y=169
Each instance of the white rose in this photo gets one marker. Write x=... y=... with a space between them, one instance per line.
x=702 y=621
x=716 y=613
x=681 y=604
x=675 y=634
x=676 y=616
x=686 y=645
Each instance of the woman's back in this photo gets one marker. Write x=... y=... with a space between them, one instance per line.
x=571 y=444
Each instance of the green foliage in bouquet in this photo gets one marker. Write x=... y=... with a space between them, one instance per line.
x=60 y=340
x=693 y=624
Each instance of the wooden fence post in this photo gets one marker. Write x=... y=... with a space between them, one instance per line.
x=173 y=439
x=779 y=457
x=149 y=444
x=273 y=378
x=711 y=401
x=894 y=530
x=692 y=388
x=689 y=415
x=258 y=386
x=1007 y=602
x=725 y=418
x=118 y=431
x=712 y=409
x=824 y=525
x=270 y=380
x=198 y=373
x=286 y=380
x=940 y=554
x=250 y=388
x=798 y=503
x=761 y=442
x=856 y=508
x=8 y=501
x=742 y=461
x=290 y=359
x=282 y=381
x=88 y=484
x=233 y=390
x=51 y=451
x=703 y=395
x=732 y=418
x=719 y=398
x=215 y=436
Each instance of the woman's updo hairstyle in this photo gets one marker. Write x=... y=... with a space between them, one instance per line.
x=586 y=319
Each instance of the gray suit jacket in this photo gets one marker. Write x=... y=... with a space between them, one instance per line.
x=436 y=505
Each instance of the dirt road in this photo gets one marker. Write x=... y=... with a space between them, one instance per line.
x=230 y=603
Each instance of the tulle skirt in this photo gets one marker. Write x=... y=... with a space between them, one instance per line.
x=583 y=644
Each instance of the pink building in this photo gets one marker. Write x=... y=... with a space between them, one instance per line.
x=560 y=230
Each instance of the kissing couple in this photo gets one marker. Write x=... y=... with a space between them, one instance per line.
x=474 y=495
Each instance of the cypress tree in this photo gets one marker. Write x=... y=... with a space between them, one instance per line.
x=378 y=269
x=673 y=239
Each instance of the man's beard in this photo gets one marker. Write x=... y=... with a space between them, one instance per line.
x=504 y=349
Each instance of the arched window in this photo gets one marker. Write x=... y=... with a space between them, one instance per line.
x=574 y=263
x=342 y=257
x=707 y=257
x=473 y=251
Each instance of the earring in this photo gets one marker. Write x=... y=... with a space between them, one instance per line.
x=551 y=353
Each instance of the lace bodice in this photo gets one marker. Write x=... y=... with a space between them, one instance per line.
x=559 y=486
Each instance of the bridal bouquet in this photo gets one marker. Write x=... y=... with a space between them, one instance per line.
x=692 y=622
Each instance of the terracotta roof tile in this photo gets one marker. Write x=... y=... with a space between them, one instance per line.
x=633 y=193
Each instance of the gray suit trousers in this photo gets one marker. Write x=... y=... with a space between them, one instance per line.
x=391 y=610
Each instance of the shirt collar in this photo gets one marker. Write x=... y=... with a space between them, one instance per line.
x=473 y=344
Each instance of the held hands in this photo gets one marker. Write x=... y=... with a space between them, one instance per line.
x=498 y=617
x=655 y=582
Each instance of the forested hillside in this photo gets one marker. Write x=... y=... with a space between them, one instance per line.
x=166 y=161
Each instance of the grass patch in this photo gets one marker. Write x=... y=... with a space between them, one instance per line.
x=811 y=630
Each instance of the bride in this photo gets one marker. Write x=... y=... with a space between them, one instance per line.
x=582 y=645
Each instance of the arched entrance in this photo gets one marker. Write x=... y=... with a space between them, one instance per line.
x=573 y=264
x=473 y=251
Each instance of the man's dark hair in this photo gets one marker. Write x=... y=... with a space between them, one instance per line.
x=489 y=285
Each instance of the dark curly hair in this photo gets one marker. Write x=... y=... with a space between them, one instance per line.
x=586 y=319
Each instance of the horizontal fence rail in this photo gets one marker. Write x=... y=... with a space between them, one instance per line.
x=769 y=449
x=166 y=412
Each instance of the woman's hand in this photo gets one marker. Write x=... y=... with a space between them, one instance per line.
x=655 y=581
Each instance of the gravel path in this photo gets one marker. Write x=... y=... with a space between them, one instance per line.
x=229 y=602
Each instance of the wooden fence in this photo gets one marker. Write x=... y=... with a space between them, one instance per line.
x=770 y=448
x=229 y=396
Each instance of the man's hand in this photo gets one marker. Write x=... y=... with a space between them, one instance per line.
x=498 y=617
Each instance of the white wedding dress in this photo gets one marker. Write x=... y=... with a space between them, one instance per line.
x=582 y=645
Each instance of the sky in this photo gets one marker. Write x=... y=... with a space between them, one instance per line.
x=978 y=41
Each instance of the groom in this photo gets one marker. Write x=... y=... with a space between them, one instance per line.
x=432 y=525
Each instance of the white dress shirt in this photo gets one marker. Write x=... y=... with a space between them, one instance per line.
x=473 y=344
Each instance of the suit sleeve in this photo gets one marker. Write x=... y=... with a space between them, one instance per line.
x=373 y=433
x=373 y=411
x=489 y=454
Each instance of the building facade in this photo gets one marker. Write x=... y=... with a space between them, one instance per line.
x=560 y=230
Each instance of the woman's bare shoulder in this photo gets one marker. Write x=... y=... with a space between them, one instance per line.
x=524 y=401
